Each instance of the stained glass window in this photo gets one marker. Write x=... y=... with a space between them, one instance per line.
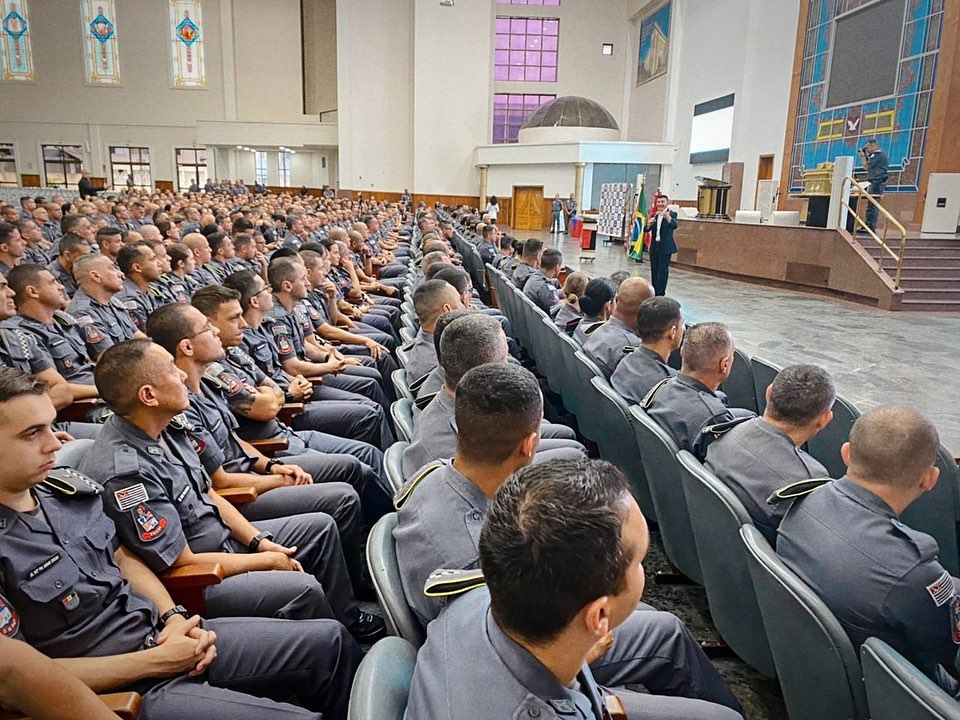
x=526 y=49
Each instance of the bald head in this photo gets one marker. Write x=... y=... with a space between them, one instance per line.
x=631 y=293
x=892 y=445
x=195 y=240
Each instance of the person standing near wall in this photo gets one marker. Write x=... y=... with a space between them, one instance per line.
x=571 y=210
x=493 y=209
x=876 y=164
x=557 y=225
x=662 y=245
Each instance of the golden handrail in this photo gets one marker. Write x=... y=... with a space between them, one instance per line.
x=888 y=219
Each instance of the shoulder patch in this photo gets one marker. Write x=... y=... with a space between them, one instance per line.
x=406 y=490
x=180 y=422
x=129 y=497
x=149 y=524
x=9 y=618
x=450 y=583
x=942 y=589
x=91 y=333
x=65 y=481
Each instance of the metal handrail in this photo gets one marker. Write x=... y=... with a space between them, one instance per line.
x=888 y=219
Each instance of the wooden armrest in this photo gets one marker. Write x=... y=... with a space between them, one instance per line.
x=316 y=381
x=238 y=495
x=187 y=584
x=957 y=460
x=78 y=410
x=289 y=411
x=614 y=707
x=270 y=446
x=125 y=705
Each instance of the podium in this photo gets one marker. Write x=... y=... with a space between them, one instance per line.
x=712 y=198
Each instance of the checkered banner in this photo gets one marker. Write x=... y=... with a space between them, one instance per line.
x=616 y=199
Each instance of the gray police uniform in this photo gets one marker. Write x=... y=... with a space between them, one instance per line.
x=878 y=576
x=446 y=684
x=421 y=357
x=201 y=277
x=605 y=345
x=682 y=406
x=19 y=349
x=586 y=327
x=638 y=373
x=330 y=410
x=111 y=320
x=318 y=300
x=755 y=459
x=567 y=317
x=63 y=341
x=36 y=254
x=520 y=274
x=63 y=277
x=172 y=289
x=156 y=492
x=62 y=592
x=435 y=437
x=139 y=304
x=545 y=292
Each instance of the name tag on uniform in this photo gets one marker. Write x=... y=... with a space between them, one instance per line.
x=44 y=566
x=154 y=450
x=183 y=494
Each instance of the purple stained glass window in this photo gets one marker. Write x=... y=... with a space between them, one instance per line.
x=511 y=109
x=548 y=3
x=526 y=48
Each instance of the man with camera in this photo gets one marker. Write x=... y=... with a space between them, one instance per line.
x=875 y=163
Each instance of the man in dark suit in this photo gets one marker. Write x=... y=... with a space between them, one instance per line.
x=661 y=226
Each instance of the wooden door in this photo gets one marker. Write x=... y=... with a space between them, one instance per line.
x=527 y=207
x=764 y=172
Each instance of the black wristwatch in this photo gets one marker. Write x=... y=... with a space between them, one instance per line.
x=271 y=464
x=259 y=538
x=175 y=610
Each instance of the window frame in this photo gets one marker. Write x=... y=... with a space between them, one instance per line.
x=129 y=165
x=64 y=164
x=196 y=165
x=511 y=121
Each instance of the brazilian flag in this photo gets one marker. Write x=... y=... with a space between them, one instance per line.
x=637 y=241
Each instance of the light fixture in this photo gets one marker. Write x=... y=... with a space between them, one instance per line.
x=607 y=49
x=239 y=147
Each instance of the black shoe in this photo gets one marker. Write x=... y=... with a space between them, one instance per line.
x=368 y=628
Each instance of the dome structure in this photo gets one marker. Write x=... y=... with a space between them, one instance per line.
x=569 y=118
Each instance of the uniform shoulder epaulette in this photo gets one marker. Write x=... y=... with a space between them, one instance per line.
x=180 y=422
x=571 y=325
x=66 y=481
x=627 y=349
x=648 y=399
x=797 y=489
x=212 y=374
x=450 y=583
x=154 y=290
x=406 y=490
x=423 y=400
x=64 y=318
x=418 y=383
x=593 y=326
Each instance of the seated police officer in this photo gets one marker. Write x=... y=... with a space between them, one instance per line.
x=141 y=267
x=685 y=404
x=96 y=306
x=430 y=301
x=61 y=267
x=880 y=577
x=605 y=344
x=69 y=589
x=542 y=286
x=561 y=550
x=329 y=410
x=467 y=342
x=759 y=456
x=441 y=511
x=660 y=328
x=529 y=262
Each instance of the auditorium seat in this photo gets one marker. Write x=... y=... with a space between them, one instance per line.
x=393 y=464
x=659 y=454
x=764 y=372
x=402 y=413
x=584 y=370
x=935 y=512
x=618 y=442
x=407 y=333
x=568 y=357
x=553 y=363
x=385 y=574
x=399 y=377
x=739 y=387
x=896 y=689
x=401 y=354
x=717 y=516
x=825 y=447
x=816 y=664
x=381 y=686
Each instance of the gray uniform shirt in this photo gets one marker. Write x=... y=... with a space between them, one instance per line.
x=110 y=320
x=878 y=576
x=520 y=274
x=605 y=344
x=567 y=317
x=139 y=303
x=434 y=434
x=545 y=292
x=638 y=373
x=421 y=357
x=438 y=527
x=755 y=459
x=682 y=406
x=63 y=341
x=19 y=349
x=63 y=277
x=469 y=667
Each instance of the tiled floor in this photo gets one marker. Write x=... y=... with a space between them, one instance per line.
x=876 y=357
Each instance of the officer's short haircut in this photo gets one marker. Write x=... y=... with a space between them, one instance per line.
x=656 y=316
x=489 y=230
x=531 y=247
x=552 y=543
x=892 y=445
x=618 y=277
x=23 y=226
x=130 y=254
x=434 y=244
x=506 y=241
x=283 y=253
x=456 y=276
x=310 y=258
x=215 y=240
x=551 y=258
x=433 y=258
x=121 y=372
x=444 y=320
x=428 y=300
x=314 y=246
x=178 y=254
x=168 y=325
x=497 y=406
x=703 y=346
x=69 y=221
x=430 y=270
x=209 y=229
x=291 y=219
x=281 y=271
x=468 y=342
x=245 y=283
x=85 y=263
x=6 y=232
x=241 y=240
x=23 y=276
x=16 y=383
x=209 y=298
x=800 y=394
x=242 y=225
x=599 y=292
x=108 y=232
x=70 y=243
